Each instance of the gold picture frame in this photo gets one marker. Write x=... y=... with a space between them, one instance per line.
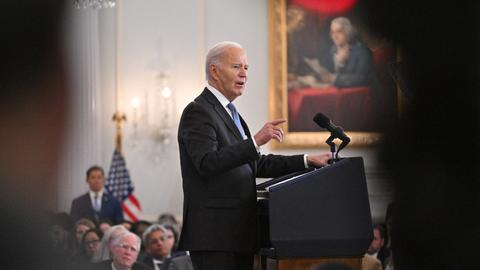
x=278 y=103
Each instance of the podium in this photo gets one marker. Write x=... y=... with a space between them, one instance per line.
x=315 y=216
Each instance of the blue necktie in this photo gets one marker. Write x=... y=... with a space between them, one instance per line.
x=236 y=119
x=96 y=204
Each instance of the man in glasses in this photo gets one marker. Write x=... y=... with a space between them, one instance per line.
x=124 y=249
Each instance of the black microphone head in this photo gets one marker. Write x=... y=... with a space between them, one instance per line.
x=321 y=120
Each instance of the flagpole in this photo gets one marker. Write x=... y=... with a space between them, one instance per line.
x=118 y=117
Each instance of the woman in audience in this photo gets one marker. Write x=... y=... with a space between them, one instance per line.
x=172 y=229
x=80 y=228
x=139 y=228
x=168 y=218
x=91 y=243
x=90 y=246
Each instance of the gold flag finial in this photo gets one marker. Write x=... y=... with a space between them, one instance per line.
x=119 y=118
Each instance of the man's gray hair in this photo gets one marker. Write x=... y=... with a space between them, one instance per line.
x=103 y=253
x=347 y=27
x=117 y=239
x=152 y=228
x=215 y=54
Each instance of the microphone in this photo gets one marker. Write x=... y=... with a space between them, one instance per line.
x=336 y=131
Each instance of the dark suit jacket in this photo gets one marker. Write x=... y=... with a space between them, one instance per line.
x=219 y=170
x=179 y=262
x=111 y=208
x=148 y=260
x=358 y=70
x=107 y=265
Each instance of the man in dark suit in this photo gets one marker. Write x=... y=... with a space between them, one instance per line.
x=97 y=203
x=158 y=244
x=220 y=160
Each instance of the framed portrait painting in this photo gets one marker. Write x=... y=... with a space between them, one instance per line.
x=323 y=59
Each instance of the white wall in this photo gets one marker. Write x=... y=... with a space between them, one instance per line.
x=173 y=36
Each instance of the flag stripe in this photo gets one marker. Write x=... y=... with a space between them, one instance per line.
x=133 y=209
x=135 y=201
x=129 y=214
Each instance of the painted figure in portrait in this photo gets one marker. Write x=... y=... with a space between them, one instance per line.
x=337 y=67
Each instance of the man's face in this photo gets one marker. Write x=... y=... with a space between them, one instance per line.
x=338 y=35
x=125 y=253
x=160 y=244
x=95 y=180
x=230 y=75
x=377 y=242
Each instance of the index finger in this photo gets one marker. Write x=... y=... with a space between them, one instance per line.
x=278 y=121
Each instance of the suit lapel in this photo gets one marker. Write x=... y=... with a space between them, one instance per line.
x=223 y=113
x=227 y=119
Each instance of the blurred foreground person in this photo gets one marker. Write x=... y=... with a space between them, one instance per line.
x=432 y=153
x=33 y=99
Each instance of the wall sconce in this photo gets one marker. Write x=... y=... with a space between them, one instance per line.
x=153 y=120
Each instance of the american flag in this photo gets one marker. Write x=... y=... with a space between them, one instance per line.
x=119 y=184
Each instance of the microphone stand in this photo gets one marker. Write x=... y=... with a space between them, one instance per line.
x=333 y=148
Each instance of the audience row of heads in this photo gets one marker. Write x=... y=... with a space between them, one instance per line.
x=96 y=241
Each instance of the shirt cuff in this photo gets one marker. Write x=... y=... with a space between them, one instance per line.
x=256 y=145
x=305 y=161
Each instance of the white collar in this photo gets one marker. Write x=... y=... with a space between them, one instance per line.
x=92 y=193
x=220 y=97
x=156 y=263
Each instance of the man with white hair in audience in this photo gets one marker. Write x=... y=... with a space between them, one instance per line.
x=124 y=249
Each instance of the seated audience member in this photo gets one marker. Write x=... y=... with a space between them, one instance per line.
x=139 y=228
x=61 y=245
x=158 y=242
x=124 y=249
x=104 y=225
x=377 y=248
x=59 y=226
x=168 y=218
x=174 y=231
x=103 y=253
x=90 y=245
x=97 y=203
x=179 y=260
x=127 y=224
x=80 y=228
